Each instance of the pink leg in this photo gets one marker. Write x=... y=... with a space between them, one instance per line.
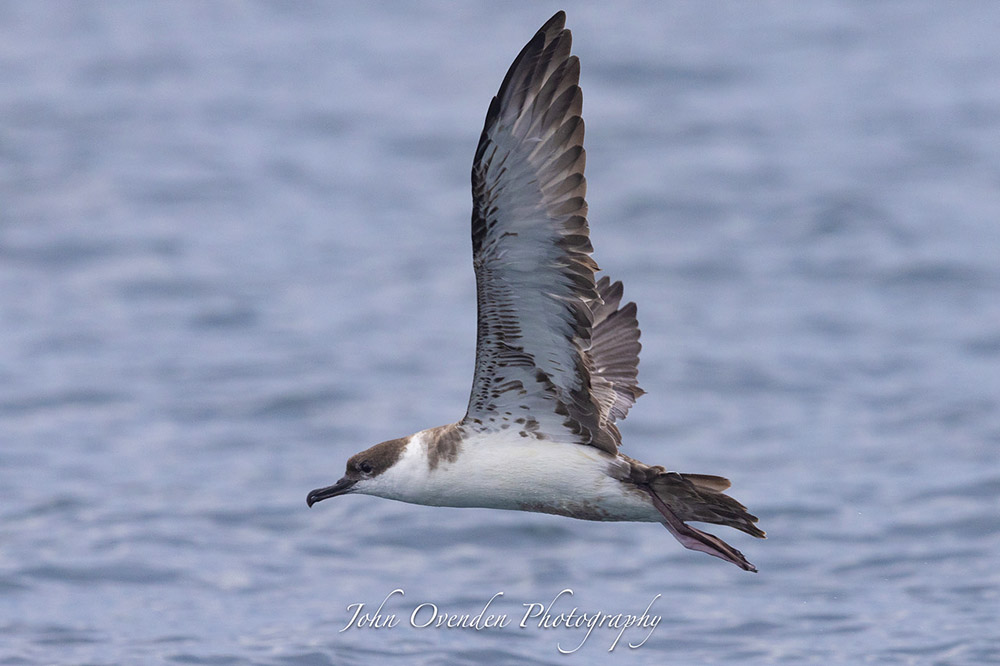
x=696 y=539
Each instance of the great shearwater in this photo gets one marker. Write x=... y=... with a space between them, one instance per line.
x=556 y=354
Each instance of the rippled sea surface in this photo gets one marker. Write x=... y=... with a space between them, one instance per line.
x=234 y=250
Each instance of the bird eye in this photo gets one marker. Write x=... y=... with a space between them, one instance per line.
x=366 y=467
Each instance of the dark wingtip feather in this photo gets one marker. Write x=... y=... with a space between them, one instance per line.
x=557 y=22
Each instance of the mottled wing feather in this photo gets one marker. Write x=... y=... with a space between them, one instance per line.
x=614 y=353
x=536 y=294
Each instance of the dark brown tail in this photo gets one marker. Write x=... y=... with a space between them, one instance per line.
x=699 y=497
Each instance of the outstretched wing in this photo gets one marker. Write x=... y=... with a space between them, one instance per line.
x=536 y=293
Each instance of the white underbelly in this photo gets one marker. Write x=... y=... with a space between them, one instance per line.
x=533 y=475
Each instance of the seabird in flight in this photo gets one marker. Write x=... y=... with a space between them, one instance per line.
x=556 y=353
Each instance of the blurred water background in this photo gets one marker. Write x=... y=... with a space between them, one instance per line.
x=234 y=250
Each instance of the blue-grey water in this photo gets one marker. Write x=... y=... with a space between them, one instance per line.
x=234 y=250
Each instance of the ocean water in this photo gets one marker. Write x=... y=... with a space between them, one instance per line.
x=234 y=251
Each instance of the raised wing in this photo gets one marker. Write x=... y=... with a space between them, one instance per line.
x=536 y=294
